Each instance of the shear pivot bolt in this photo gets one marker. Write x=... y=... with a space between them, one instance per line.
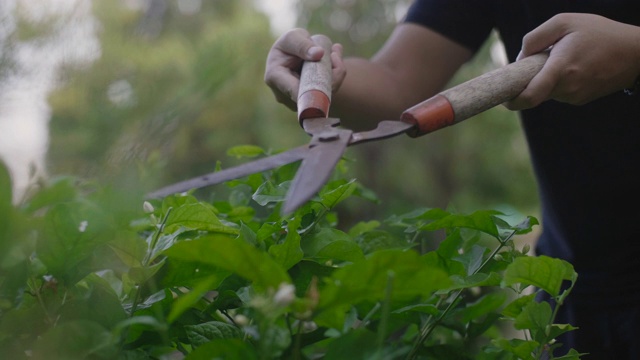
x=326 y=136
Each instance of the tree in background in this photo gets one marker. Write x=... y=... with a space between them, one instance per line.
x=180 y=82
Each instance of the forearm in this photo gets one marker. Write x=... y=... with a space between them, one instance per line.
x=414 y=64
x=370 y=92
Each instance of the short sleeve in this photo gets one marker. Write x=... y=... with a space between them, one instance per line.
x=467 y=22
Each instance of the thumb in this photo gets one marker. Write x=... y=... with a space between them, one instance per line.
x=543 y=37
x=298 y=43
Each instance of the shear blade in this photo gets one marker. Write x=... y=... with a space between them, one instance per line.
x=237 y=172
x=315 y=170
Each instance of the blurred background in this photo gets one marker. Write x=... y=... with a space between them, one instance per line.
x=160 y=89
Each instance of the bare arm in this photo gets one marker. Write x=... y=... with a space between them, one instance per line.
x=414 y=64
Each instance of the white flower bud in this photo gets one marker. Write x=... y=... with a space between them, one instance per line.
x=241 y=320
x=147 y=207
x=83 y=226
x=285 y=294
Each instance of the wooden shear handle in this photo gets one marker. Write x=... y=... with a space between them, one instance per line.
x=474 y=96
x=314 y=93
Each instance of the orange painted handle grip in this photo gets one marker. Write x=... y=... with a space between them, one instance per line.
x=474 y=96
x=314 y=93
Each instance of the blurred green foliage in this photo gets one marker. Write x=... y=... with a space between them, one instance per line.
x=173 y=91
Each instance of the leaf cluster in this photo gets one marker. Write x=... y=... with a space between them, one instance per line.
x=88 y=272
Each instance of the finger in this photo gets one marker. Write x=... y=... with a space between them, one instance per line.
x=539 y=88
x=284 y=85
x=545 y=35
x=338 y=69
x=298 y=42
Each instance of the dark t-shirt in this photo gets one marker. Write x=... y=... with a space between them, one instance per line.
x=586 y=158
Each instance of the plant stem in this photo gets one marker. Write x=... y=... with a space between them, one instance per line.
x=429 y=327
x=365 y=320
x=36 y=292
x=156 y=236
x=297 y=349
x=386 y=308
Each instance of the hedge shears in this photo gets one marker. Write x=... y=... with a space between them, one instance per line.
x=329 y=141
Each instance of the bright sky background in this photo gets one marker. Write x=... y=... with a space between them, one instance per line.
x=281 y=12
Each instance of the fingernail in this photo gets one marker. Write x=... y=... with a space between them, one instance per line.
x=314 y=52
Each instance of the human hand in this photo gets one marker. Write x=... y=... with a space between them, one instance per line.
x=591 y=56
x=284 y=62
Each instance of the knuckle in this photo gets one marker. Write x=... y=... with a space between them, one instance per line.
x=527 y=101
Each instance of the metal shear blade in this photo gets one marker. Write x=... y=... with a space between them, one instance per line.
x=319 y=158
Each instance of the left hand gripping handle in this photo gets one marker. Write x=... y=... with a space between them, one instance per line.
x=314 y=93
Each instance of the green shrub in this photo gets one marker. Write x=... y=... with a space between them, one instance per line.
x=88 y=272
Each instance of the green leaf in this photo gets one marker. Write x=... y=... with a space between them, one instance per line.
x=451 y=267
x=368 y=279
x=6 y=207
x=92 y=293
x=534 y=316
x=480 y=220
x=409 y=219
x=241 y=213
x=233 y=255
x=356 y=344
x=129 y=248
x=163 y=243
x=378 y=240
x=480 y=279
x=526 y=226
x=203 y=333
x=289 y=252
x=158 y=297
x=486 y=304
x=223 y=349
x=141 y=322
x=59 y=190
x=268 y=193
x=79 y=339
x=140 y=274
x=189 y=273
x=305 y=271
x=249 y=151
x=429 y=309
x=516 y=306
x=363 y=227
x=196 y=216
x=521 y=348
x=449 y=248
x=247 y=234
x=328 y=243
x=571 y=355
x=473 y=258
x=6 y=187
x=240 y=198
x=542 y=271
x=71 y=233
x=274 y=340
x=334 y=196
x=556 y=330
x=184 y=302
x=176 y=201
x=268 y=232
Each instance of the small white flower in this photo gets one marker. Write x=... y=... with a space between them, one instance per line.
x=83 y=226
x=309 y=326
x=148 y=208
x=285 y=294
x=241 y=320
